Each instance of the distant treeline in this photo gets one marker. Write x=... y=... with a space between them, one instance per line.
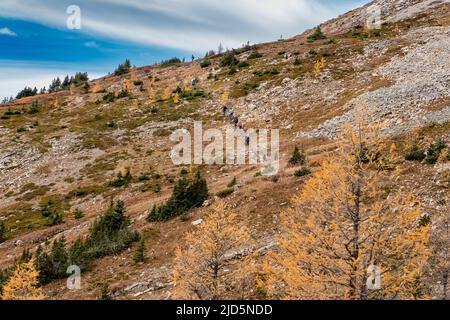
x=79 y=80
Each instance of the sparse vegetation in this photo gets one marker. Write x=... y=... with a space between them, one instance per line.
x=108 y=235
x=415 y=154
x=78 y=214
x=430 y=155
x=205 y=63
x=2 y=231
x=187 y=194
x=123 y=68
x=243 y=64
x=298 y=157
x=317 y=35
x=139 y=253
x=170 y=62
x=302 y=172
x=229 y=60
x=121 y=180
x=255 y=55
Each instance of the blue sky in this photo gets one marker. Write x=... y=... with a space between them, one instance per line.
x=36 y=45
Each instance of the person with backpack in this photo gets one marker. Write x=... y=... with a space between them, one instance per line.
x=232 y=114
x=235 y=121
x=224 y=110
x=247 y=138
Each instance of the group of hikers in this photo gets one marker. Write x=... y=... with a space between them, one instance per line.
x=234 y=120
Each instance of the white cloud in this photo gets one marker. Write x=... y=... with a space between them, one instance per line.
x=7 y=32
x=196 y=25
x=34 y=75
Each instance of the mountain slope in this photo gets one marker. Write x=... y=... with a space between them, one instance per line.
x=397 y=77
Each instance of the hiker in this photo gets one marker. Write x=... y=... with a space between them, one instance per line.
x=240 y=126
x=224 y=110
x=235 y=121
x=194 y=82
x=247 y=138
x=232 y=113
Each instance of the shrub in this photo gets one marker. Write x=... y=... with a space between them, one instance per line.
x=302 y=172
x=170 y=62
x=298 y=157
x=78 y=214
x=123 y=94
x=139 y=254
x=123 y=68
x=157 y=188
x=425 y=220
x=109 y=97
x=434 y=151
x=229 y=59
x=111 y=124
x=225 y=193
x=52 y=213
x=153 y=110
x=358 y=34
x=145 y=187
x=105 y=294
x=243 y=64
x=232 y=71
x=143 y=177
x=255 y=55
x=317 y=35
x=2 y=231
x=122 y=180
x=80 y=192
x=184 y=172
x=205 y=63
x=326 y=53
x=110 y=234
x=55 y=218
x=331 y=41
x=415 y=154
x=187 y=194
x=138 y=82
x=431 y=155
x=34 y=108
x=297 y=62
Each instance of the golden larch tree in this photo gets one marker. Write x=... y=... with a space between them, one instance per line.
x=23 y=284
x=319 y=66
x=209 y=268
x=347 y=229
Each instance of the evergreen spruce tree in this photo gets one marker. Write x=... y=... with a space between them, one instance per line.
x=139 y=254
x=2 y=231
x=298 y=157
